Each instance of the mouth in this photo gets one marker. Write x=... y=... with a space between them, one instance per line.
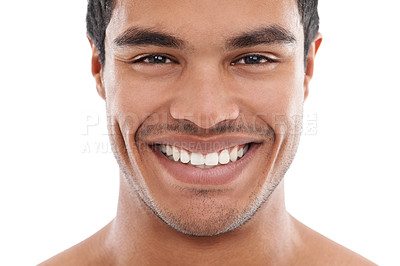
x=204 y=161
x=200 y=165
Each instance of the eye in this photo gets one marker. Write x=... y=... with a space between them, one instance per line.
x=154 y=59
x=253 y=59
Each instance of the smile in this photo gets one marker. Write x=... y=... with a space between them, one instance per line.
x=199 y=162
x=204 y=161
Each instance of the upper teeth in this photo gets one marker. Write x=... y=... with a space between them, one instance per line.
x=204 y=160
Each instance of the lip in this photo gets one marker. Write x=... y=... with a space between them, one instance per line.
x=216 y=176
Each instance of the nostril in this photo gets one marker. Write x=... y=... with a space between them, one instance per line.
x=203 y=117
x=204 y=105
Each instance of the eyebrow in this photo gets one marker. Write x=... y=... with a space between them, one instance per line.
x=263 y=35
x=135 y=36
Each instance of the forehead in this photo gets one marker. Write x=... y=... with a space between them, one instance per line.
x=193 y=20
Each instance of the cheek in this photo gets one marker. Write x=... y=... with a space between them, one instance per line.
x=132 y=99
x=277 y=99
x=277 y=94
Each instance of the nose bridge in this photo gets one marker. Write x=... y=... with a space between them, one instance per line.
x=204 y=97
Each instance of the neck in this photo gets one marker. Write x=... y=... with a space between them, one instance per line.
x=137 y=235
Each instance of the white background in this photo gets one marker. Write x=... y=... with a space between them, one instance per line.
x=58 y=186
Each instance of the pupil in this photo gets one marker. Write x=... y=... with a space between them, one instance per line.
x=252 y=59
x=157 y=59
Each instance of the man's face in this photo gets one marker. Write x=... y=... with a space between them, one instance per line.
x=212 y=80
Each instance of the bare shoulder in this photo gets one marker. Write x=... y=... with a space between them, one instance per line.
x=319 y=250
x=91 y=251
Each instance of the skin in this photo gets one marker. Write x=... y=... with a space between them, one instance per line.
x=162 y=221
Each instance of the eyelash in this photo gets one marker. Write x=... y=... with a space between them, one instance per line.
x=265 y=59
x=166 y=60
x=161 y=57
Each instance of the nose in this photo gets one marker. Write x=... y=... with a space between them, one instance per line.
x=204 y=98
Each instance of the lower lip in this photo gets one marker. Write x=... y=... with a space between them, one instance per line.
x=219 y=175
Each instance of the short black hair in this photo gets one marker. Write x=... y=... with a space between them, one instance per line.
x=308 y=10
x=99 y=15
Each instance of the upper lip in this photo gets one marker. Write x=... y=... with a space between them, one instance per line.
x=203 y=144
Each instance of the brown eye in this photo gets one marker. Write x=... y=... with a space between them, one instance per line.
x=253 y=60
x=154 y=59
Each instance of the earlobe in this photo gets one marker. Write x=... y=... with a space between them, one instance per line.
x=97 y=70
x=309 y=71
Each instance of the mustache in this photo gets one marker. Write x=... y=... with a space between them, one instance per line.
x=186 y=127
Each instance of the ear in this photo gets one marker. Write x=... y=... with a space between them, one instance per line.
x=309 y=71
x=97 y=70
